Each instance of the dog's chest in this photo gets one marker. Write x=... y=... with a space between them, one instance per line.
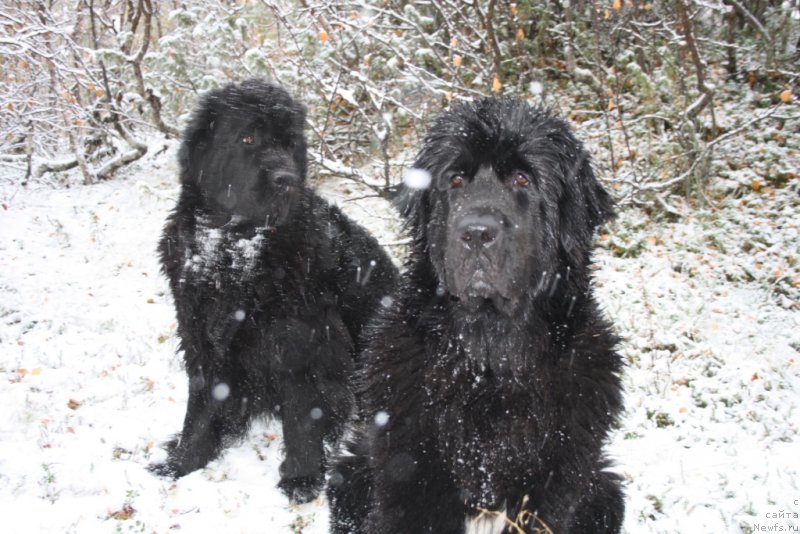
x=216 y=256
x=486 y=523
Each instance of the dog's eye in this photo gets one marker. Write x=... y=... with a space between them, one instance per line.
x=457 y=181
x=249 y=140
x=521 y=180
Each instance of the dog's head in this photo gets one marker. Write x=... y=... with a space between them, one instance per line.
x=244 y=153
x=511 y=206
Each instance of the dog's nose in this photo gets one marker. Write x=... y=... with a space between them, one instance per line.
x=285 y=179
x=479 y=230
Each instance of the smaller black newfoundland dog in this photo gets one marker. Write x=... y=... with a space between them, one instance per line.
x=489 y=385
x=271 y=286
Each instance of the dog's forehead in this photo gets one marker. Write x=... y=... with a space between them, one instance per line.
x=252 y=106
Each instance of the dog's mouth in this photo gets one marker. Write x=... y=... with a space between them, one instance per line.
x=480 y=291
x=250 y=226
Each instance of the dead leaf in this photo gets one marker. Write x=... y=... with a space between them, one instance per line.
x=496 y=85
x=125 y=513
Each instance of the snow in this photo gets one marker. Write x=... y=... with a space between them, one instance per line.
x=417 y=178
x=91 y=382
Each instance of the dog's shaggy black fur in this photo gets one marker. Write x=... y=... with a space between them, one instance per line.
x=490 y=384
x=271 y=285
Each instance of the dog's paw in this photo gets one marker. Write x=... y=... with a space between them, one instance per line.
x=300 y=490
x=165 y=470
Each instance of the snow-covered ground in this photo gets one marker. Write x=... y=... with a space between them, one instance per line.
x=91 y=382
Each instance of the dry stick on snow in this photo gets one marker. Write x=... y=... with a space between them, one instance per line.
x=139 y=149
x=146 y=8
x=706 y=91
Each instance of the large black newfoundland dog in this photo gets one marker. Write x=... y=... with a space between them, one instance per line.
x=271 y=286
x=490 y=383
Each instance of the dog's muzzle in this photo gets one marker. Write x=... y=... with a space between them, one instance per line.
x=476 y=255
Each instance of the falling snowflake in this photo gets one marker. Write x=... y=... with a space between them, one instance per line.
x=381 y=418
x=417 y=178
x=221 y=391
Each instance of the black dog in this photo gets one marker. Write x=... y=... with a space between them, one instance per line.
x=271 y=286
x=491 y=382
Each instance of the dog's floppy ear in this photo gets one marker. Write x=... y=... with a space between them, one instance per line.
x=300 y=154
x=411 y=197
x=411 y=203
x=197 y=137
x=584 y=204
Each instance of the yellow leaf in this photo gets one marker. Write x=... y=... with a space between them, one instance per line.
x=611 y=105
x=457 y=60
x=323 y=36
x=496 y=85
x=99 y=93
x=454 y=42
x=514 y=9
x=36 y=371
x=617 y=5
x=756 y=185
x=10 y=106
x=520 y=34
x=786 y=96
x=606 y=14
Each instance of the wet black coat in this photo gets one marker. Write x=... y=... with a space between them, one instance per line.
x=271 y=286
x=497 y=396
